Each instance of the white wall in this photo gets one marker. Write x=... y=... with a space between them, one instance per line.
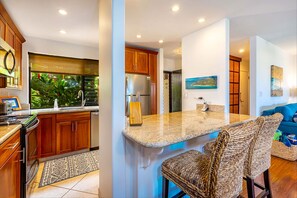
x=263 y=55
x=171 y=64
x=49 y=47
x=206 y=53
x=244 y=87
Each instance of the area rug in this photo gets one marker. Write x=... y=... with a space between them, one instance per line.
x=64 y=168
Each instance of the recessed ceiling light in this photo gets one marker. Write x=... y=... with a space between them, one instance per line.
x=175 y=8
x=62 y=31
x=63 y=12
x=241 y=50
x=138 y=36
x=201 y=20
x=161 y=41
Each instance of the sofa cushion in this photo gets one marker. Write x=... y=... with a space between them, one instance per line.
x=292 y=106
x=268 y=112
x=286 y=111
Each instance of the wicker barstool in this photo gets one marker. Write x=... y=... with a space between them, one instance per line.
x=215 y=175
x=259 y=155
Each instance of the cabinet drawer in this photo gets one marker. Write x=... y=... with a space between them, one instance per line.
x=73 y=116
x=8 y=147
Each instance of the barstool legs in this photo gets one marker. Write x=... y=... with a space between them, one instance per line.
x=250 y=187
x=266 y=188
x=267 y=183
x=165 y=187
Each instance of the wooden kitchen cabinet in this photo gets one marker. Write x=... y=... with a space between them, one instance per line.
x=82 y=139
x=18 y=60
x=73 y=132
x=9 y=36
x=65 y=135
x=153 y=67
x=129 y=60
x=47 y=135
x=10 y=167
x=2 y=28
x=142 y=62
x=136 y=61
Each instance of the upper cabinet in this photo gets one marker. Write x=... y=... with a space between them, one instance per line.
x=140 y=61
x=130 y=60
x=11 y=34
x=2 y=28
x=136 y=61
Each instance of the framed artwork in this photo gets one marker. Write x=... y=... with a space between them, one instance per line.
x=276 y=81
x=14 y=101
x=206 y=82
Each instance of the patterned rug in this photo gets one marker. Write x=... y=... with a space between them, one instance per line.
x=64 y=168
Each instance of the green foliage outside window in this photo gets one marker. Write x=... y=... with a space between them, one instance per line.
x=45 y=88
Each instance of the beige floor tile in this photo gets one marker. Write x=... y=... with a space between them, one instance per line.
x=48 y=192
x=77 y=194
x=69 y=183
x=89 y=184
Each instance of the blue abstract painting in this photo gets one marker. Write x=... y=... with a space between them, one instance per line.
x=206 y=82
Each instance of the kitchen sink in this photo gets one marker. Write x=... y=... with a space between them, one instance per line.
x=71 y=108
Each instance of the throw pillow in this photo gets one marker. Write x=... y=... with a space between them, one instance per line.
x=295 y=117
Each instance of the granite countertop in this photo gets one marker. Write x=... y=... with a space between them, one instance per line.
x=54 y=111
x=163 y=130
x=7 y=131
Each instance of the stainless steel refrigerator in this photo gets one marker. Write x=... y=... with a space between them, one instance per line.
x=138 y=85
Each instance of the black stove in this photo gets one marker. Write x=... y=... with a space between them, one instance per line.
x=16 y=119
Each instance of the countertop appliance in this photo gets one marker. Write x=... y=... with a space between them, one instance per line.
x=30 y=163
x=94 y=130
x=138 y=85
x=5 y=108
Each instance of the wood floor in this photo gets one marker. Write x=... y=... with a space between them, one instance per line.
x=283 y=178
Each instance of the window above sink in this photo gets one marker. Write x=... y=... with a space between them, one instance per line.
x=48 y=82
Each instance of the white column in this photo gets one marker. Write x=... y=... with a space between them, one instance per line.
x=160 y=106
x=111 y=97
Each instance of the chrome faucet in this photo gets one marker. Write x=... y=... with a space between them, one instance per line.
x=81 y=94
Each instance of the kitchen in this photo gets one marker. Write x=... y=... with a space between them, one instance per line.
x=55 y=108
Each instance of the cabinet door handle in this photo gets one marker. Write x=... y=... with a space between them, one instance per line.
x=24 y=155
x=12 y=146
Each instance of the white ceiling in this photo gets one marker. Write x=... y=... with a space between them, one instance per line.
x=273 y=20
x=40 y=18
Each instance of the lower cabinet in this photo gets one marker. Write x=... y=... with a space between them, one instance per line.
x=82 y=138
x=64 y=137
x=73 y=132
x=47 y=135
x=63 y=133
x=10 y=169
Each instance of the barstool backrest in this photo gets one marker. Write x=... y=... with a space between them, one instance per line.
x=259 y=155
x=227 y=160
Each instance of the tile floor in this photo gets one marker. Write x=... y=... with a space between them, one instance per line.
x=83 y=186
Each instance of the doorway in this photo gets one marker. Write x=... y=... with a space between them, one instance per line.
x=239 y=81
x=172 y=91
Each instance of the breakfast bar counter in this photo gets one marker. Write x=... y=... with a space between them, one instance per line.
x=163 y=136
x=162 y=130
